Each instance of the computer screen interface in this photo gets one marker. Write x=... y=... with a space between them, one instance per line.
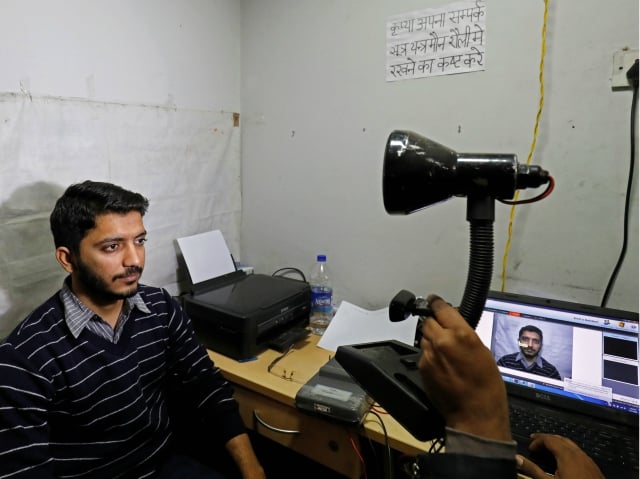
x=587 y=357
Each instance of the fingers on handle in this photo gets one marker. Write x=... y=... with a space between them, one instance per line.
x=445 y=314
x=435 y=302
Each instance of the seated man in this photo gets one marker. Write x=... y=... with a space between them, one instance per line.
x=529 y=357
x=464 y=384
x=88 y=377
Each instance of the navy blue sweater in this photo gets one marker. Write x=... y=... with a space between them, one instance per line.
x=86 y=407
x=541 y=367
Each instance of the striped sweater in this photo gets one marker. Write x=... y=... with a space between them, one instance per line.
x=541 y=366
x=89 y=408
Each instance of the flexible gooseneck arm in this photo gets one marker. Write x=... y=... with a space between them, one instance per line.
x=480 y=214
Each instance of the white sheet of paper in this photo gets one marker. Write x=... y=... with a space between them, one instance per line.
x=206 y=256
x=353 y=324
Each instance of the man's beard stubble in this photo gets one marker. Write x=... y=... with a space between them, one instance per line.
x=98 y=289
x=529 y=353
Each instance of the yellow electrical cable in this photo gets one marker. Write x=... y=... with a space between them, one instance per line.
x=533 y=142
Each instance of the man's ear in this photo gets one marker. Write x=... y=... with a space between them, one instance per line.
x=65 y=258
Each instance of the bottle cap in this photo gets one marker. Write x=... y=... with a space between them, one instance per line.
x=322 y=258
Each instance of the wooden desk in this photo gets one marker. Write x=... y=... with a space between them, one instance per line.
x=267 y=405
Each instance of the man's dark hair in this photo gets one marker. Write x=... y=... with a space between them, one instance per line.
x=532 y=329
x=76 y=210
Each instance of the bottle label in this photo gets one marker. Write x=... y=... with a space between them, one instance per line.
x=321 y=299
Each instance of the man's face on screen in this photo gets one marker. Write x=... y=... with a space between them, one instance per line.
x=530 y=344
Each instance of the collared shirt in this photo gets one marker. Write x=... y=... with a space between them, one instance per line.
x=540 y=366
x=78 y=316
x=526 y=365
x=119 y=396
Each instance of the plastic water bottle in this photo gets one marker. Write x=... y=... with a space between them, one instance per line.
x=321 y=296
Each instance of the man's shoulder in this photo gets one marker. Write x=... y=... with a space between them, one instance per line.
x=156 y=298
x=547 y=364
x=146 y=290
x=152 y=292
x=42 y=317
x=41 y=325
x=509 y=357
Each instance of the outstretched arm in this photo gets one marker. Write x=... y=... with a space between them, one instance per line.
x=462 y=381
x=464 y=384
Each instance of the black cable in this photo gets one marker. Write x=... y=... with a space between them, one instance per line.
x=389 y=460
x=632 y=75
x=285 y=271
x=275 y=361
x=541 y=196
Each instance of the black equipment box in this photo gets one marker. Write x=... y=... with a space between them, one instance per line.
x=388 y=371
x=238 y=314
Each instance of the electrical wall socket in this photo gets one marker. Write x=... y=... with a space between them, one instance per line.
x=622 y=61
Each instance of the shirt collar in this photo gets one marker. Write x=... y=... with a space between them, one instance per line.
x=537 y=362
x=77 y=314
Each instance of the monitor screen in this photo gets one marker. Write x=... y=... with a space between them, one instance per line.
x=553 y=349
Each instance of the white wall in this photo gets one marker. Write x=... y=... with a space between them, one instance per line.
x=141 y=93
x=113 y=88
x=157 y=52
x=317 y=112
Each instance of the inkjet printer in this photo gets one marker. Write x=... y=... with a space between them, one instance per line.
x=238 y=314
